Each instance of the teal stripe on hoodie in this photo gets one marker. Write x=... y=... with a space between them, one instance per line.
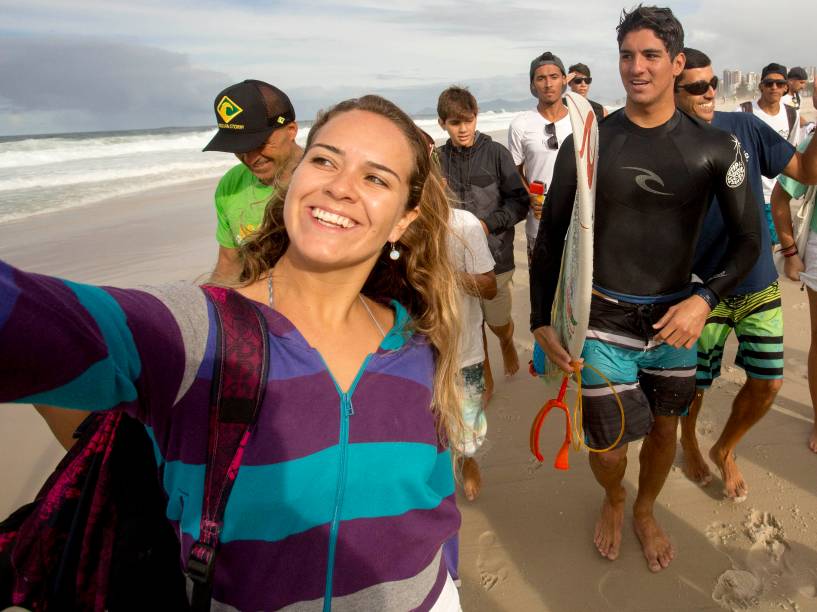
x=271 y=502
x=106 y=383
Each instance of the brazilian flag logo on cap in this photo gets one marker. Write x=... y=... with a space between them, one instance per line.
x=228 y=110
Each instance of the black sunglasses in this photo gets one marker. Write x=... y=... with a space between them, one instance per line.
x=580 y=80
x=699 y=88
x=550 y=132
x=773 y=82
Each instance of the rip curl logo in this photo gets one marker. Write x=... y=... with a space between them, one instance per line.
x=647 y=176
x=736 y=173
x=228 y=110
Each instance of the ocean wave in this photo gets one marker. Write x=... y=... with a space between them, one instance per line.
x=33 y=152
x=45 y=151
x=80 y=196
x=212 y=167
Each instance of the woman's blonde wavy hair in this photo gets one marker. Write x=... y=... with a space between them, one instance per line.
x=423 y=279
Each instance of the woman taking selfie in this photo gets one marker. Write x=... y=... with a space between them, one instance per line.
x=344 y=494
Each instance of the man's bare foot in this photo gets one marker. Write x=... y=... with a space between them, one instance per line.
x=812 y=440
x=471 y=478
x=734 y=487
x=510 y=359
x=607 y=537
x=656 y=545
x=694 y=465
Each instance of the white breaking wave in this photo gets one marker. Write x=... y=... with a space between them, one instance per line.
x=41 y=151
x=204 y=168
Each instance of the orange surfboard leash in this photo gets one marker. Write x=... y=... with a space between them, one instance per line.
x=573 y=427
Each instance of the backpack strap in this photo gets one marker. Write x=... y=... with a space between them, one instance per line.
x=746 y=107
x=240 y=367
x=791 y=115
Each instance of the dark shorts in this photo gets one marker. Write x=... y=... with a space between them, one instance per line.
x=651 y=378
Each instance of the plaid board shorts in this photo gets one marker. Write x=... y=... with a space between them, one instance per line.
x=757 y=319
x=651 y=378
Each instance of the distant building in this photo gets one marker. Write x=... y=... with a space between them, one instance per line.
x=810 y=72
x=752 y=80
x=731 y=81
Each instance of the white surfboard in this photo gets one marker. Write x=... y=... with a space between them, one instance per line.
x=571 y=306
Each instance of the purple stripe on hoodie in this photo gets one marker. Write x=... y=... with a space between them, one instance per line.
x=301 y=416
x=181 y=431
x=291 y=358
x=78 y=345
x=414 y=361
x=414 y=537
x=380 y=415
x=8 y=290
x=434 y=593
x=294 y=569
x=281 y=573
x=306 y=422
x=160 y=346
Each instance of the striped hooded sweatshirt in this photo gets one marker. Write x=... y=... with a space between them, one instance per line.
x=342 y=501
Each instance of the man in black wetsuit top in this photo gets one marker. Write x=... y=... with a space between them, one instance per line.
x=657 y=172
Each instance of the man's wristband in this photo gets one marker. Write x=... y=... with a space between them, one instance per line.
x=707 y=295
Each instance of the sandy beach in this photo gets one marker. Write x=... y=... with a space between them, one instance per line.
x=526 y=542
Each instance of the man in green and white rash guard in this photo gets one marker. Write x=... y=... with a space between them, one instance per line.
x=256 y=122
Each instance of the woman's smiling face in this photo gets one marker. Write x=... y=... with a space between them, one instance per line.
x=348 y=196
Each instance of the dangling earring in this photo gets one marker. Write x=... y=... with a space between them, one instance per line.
x=394 y=254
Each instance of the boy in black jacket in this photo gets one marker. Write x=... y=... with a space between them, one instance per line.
x=484 y=179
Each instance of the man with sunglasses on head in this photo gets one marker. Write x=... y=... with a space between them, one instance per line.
x=797 y=79
x=752 y=309
x=535 y=136
x=579 y=80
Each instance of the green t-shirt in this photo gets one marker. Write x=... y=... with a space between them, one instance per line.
x=240 y=202
x=796 y=189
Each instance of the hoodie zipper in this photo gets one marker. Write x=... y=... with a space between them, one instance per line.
x=347 y=410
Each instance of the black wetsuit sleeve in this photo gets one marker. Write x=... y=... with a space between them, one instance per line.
x=740 y=216
x=513 y=194
x=546 y=259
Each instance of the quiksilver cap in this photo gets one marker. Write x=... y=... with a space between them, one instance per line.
x=246 y=114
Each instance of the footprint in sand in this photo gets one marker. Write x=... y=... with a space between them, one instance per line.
x=737 y=589
x=705 y=428
x=767 y=571
x=491 y=561
x=721 y=533
x=766 y=532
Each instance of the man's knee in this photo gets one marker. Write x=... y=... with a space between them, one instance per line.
x=764 y=389
x=664 y=430
x=611 y=459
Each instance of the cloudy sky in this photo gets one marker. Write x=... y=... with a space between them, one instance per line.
x=77 y=65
